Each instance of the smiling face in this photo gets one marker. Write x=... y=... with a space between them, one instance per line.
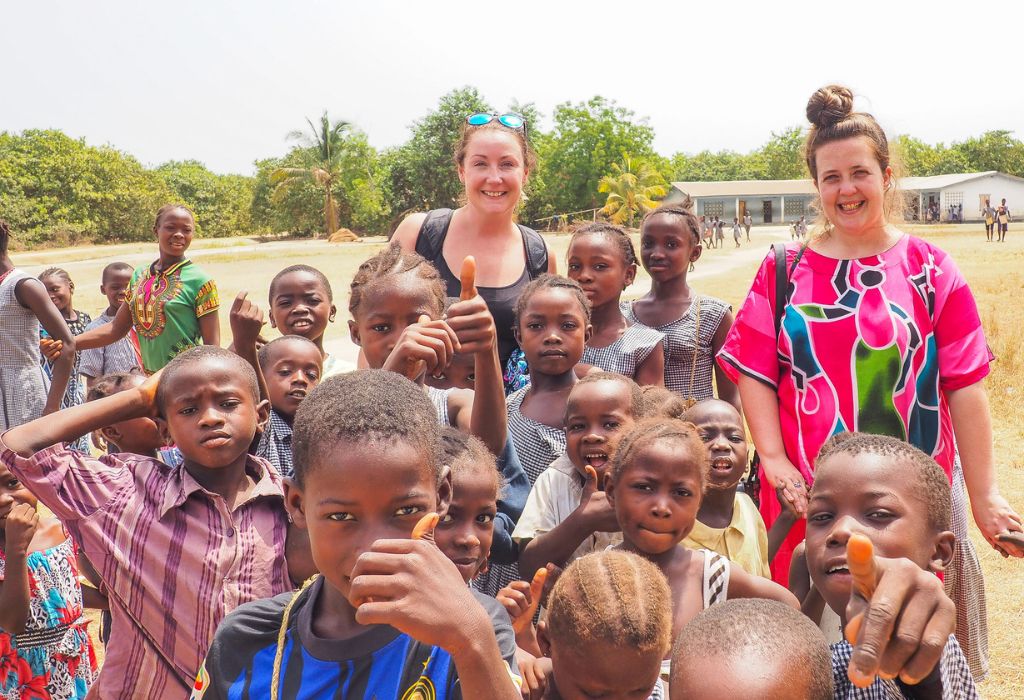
x=210 y=413
x=493 y=171
x=721 y=429
x=657 y=494
x=596 y=262
x=60 y=292
x=852 y=185
x=388 y=308
x=174 y=233
x=299 y=305
x=598 y=669
x=667 y=247
x=597 y=415
x=12 y=493
x=465 y=533
x=873 y=495
x=115 y=286
x=293 y=369
x=345 y=512
x=553 y=331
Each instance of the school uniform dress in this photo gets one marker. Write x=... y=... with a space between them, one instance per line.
x=627 y=352
x=173 y=558
x=380 y=663
x=23 y=382
x=957 y=683
x=689 y=354
x=275 y=444
x=53 y=657
x=74 y=394
x=744 y=541
x=166 y=306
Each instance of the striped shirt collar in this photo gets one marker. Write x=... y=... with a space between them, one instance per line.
x=181 y=485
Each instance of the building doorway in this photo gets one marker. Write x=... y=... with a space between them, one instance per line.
x=766 y=208
x=742 y=212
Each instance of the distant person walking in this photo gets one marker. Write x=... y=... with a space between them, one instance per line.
x=719 y=232
x=1002 y=220
x=736 y=231
x=989 y=214
x=747 y=221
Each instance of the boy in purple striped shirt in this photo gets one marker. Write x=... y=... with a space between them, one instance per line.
x=177 y=549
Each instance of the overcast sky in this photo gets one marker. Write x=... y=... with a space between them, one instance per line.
x=224 y=82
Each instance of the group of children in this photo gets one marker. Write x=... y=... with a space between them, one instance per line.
x=408 y=531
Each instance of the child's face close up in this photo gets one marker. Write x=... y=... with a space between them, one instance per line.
x=667 y=247
x=387 y=309
x=460 y=374
x=59 y=291
x=595 y=261
x=300 y=305
x=294 y=370
x=657 y=495
x=601 y=670
x=345 y=512
x=553 y=331
x=721 y=429
x=12 y=493
x=873 y=495
x=115 y=287
x=598 y=414
x=465 y=533
x=174 y=233
x=210 y=413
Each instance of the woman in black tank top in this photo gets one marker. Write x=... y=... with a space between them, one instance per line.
x=494 y=162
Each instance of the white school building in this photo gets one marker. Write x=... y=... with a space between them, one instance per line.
x=785 y=201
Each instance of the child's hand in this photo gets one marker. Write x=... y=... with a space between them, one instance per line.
x=898 y=619
x=521 y=599
x=22 y=521
x=782 y=475
x=425 y=345
x=470 y=318
x=595 y=508
x=50 y=348
x=147 y=393
x=534 y=671
x=412 y=586
x=246 y=321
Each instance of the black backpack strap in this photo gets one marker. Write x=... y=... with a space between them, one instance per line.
x=536 y=252
x=782 y=276
x=433 y=232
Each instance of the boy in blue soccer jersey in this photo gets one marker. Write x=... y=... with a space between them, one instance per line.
x=390 y=617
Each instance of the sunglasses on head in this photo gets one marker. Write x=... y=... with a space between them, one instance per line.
x=509 y=119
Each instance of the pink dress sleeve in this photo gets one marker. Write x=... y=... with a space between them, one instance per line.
x=751 y=348
x=964 y=355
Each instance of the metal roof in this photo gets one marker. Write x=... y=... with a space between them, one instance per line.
x=764 y=188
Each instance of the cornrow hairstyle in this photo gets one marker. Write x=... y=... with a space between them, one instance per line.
x=204 y=354
x=168 y=208
x=58 y=272
x=549 y=281
x=754 y=628
x=114 y=383
x=930 y=482
x=468 y=457
x=657 y=429
x=663 y=403
x=636 y=397
x=308 y=269
x=5 y=237
x=616 y=234
x=363 y=406
x=264 y=355
x=390 y=262
x=616 y=598
x=689 y=220
x=115 y=267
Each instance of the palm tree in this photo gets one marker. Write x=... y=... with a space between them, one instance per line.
x=323 y=154
x=633 y=188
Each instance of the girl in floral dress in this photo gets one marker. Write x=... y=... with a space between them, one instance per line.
x=45 y=650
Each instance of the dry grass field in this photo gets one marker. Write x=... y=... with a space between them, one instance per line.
x=995 y=272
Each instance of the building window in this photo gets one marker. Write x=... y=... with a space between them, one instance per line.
x=954 y=198
x=796 y=207
x=714 y=209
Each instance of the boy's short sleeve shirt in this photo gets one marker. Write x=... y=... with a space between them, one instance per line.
x=957 y=682
x=744 y=542
x=381 y=663
x=173 y=559
x=119 y=356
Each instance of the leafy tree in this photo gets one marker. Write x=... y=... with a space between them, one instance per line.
x=221 y=202
x=321 y=163
x=779 y=159
x=633 y=188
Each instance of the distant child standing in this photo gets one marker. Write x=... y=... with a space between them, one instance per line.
x=602 y=259
x=719 y=232
x=695 y=326
x=46 y=648
x=747 y=221
x=989 y=214
x=61 y=289
x=121 y=355
x=736 y=231
x=26 y=392
x=1003 y=220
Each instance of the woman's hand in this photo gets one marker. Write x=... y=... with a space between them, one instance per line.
x=789 y=483
x=996 y=517
x=469 y=317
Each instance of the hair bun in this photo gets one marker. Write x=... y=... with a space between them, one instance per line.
x=829 y=105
